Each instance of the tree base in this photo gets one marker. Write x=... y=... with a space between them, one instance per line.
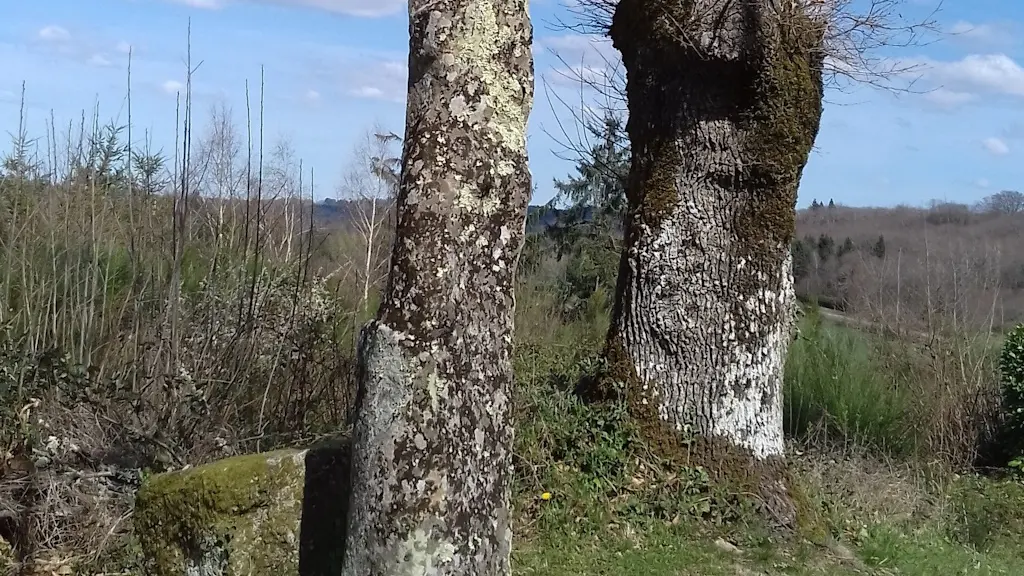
x=768 y=481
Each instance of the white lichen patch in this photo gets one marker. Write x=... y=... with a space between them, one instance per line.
x=751 y=416
x=437 y=389
x=467 y=200
x=389 y=390
x=725 y=379
x=478 y=46
x=420 y=554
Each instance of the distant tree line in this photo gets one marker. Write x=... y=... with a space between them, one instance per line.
x=822 y=267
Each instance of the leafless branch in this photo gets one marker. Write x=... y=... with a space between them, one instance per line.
x=856 y=42
x=601 y=92
x=857 y=35
x=369 y=187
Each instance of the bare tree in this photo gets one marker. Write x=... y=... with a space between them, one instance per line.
x=370 y=186
x=724 y=100
x=854 y=41
x=223 y=148
x=1004 y=202
x=220 y=149
x=283 y=200
x=431 y=447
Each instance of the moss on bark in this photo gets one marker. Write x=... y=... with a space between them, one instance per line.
x=780 y=126
x=723 y=115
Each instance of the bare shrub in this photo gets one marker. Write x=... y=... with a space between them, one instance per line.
x=949 y=213
x=156 y=313
x=926 y=269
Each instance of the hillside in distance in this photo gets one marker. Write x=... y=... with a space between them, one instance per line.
x=902 y=266
x=332 y=213
x=908 y=266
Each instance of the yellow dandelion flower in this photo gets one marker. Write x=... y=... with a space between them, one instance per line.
x=545 y=496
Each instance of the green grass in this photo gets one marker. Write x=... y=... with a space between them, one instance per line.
x=836 y=385
x=615 y=511
x=938 y=546
x=663 y=552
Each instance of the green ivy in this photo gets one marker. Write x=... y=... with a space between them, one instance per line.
x=1011 y=366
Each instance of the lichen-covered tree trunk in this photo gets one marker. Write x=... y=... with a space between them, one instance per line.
x=431 y=462
x=724 y=104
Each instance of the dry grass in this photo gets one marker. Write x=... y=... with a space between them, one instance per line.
x=864 y=485
x=157 y=313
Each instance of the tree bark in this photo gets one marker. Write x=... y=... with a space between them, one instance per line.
x=724 y=104
x=431 y=470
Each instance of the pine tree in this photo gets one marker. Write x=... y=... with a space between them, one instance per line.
x=802 y=259
x=826 y=247
x=878 y=250
x=846 y=248
x=588 y=231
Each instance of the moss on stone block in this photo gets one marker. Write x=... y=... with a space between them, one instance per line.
x=249 y=515
x=6 y=558
x=233 y=517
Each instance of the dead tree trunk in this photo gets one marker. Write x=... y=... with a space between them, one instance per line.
x=431 y=470
x=724 y=104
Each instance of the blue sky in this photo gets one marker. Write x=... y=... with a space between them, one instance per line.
x=335 y=67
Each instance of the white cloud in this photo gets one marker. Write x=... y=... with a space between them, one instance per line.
x=382 y=80
x=206 y=4
x=312 y=96
x=54 y=33
x=364 y=8
x=989 y=34
x=581 y=50
x=89 y=49
x=100 y=60
x=979 y=73
x=953 y=83
x=995 y=146
x=580 y=44
x=172 y=86
x=579 y=77
x=394 y=68
x=982 y=183
x=944 y=98
x=368 y=92
x=349 y=71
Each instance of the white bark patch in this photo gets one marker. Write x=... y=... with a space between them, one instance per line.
x=753 y=418
x=709 y=368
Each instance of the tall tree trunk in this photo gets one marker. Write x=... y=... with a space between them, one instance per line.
x=724 y=104
x=432 y=442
